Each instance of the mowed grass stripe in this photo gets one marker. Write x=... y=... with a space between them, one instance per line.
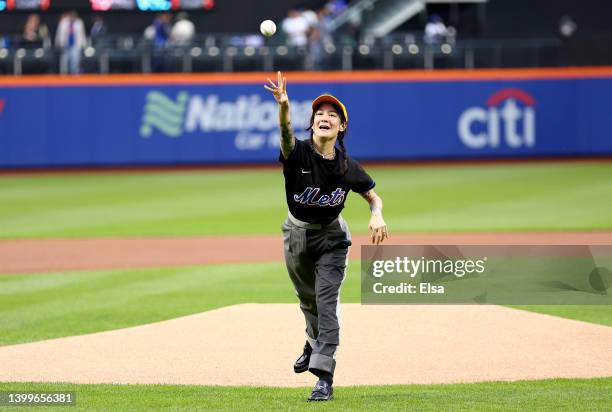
x=544 y=395
x=36 y=307
x=548 y=196
x=44 y=306
x=127 y=204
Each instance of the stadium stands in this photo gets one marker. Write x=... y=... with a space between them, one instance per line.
x=471 y=42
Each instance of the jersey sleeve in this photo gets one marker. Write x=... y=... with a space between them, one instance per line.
x=362 y=182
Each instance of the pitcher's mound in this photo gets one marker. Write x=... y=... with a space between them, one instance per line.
x=256 y=344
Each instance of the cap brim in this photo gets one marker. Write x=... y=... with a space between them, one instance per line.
x=328 y=98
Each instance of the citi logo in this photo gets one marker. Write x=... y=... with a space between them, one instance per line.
x=2 y=103
x=504 y=120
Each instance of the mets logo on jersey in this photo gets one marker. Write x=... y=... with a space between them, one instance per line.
x=310 y=196
x=508 y=118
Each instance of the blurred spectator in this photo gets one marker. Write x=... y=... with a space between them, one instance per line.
x=324 y=18
x=159 y=30
x=317 y=36
x=567 y=26
x=159 y=34
x=70 y=39
x=183 y=30
x=98 y=28
x=311 y=17
x=435 y=30
x=161 y=24
x=296 y=27
x=35 y=33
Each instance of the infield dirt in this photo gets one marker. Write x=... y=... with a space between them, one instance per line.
x=256 y=344
x=55 y=255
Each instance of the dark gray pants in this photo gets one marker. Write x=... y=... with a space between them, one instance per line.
x=316 y=259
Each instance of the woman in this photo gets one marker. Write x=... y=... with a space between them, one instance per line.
x=318 y=177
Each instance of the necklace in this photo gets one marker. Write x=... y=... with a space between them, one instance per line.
x=328 y=156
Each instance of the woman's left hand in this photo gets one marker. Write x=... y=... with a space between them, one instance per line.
x=378 y=229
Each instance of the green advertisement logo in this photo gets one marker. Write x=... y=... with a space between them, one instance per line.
x=164 y=114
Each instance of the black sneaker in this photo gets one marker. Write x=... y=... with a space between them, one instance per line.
x=301 y=364
x=322 y=391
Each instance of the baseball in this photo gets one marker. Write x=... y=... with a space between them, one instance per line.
x=267 y=27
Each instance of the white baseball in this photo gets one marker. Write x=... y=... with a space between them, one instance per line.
x=267 y=27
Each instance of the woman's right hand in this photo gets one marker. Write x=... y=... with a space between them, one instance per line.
x=279 y=90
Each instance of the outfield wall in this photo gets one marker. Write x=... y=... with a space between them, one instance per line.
x=230 y=118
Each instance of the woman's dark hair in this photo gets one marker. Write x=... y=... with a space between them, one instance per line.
x=340 y=133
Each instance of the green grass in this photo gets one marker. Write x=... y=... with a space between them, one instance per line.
x=570 y=196
x=468 y=198
x=35 y=307
x=545 y=395
x=43 y=306
x=601 y=314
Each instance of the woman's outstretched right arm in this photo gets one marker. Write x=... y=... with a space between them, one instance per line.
x=279 y=91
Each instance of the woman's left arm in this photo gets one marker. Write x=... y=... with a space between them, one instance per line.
x=377 y=226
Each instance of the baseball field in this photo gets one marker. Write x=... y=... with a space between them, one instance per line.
x=166 y=290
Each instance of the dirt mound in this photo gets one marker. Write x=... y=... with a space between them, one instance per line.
x=256 y=344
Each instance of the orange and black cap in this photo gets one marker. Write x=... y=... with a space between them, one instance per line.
x=328 y=98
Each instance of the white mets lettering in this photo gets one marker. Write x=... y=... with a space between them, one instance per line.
x=309 y=197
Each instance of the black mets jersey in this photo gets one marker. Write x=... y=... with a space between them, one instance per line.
x=316 y=188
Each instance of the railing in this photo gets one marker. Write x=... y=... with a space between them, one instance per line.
x=354 y=12
x=227 y=53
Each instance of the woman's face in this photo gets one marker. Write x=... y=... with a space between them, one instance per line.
x=327 y=122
